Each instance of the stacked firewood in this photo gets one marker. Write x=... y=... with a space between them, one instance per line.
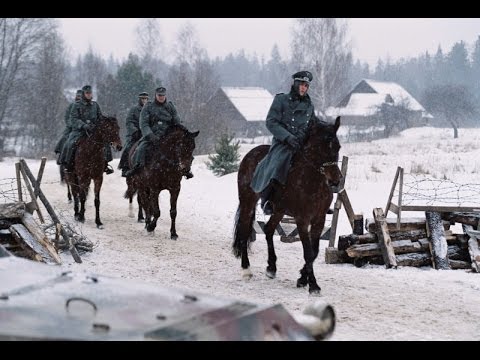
x=418 y=242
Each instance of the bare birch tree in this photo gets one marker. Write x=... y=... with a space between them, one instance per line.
x=319 y=45
x=19 y=38
x=149 y=45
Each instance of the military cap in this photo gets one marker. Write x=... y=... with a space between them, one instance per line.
x=303 y=76
x=87 y=88
x=143 y=94
x=161 y=91
x=79 y=92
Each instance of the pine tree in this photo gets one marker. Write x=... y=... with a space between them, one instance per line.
x=225 y=161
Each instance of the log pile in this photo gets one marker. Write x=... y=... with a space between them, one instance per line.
x=419 y=242
x=21 y=236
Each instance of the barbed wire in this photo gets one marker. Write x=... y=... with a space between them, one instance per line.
x=9 y=191
x=423 y=190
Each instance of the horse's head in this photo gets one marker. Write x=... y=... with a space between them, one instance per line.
x=109 y=131
x=181 y=142
x=321 y=149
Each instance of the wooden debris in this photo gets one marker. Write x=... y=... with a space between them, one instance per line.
x=399 y=247
x=384 y=239
x=29 y=222
x=28 y=243
x=437 y=240
x=12 y=210
x=4 y=252
x=406 y=224
x=472 y=219
x=335 y=256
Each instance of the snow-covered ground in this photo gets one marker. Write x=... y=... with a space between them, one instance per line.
x=371 y=303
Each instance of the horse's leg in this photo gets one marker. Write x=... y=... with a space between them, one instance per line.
x=143 y=202
x=69 y=194
x=140 y=217
x=173 y=212
x=83 y=188
x=97 y=186
x=72 y=182
x=269 y=231
x=315 y=234
x=154 y=208
x=306 y=274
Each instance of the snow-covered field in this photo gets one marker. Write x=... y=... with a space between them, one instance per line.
x=371 y=303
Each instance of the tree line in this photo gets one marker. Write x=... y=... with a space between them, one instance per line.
x=37 y=80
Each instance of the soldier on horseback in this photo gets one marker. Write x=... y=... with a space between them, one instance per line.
x=155 y=118
x=287 y=120
x=133 y=131
x=68 y=126
x=83 y=117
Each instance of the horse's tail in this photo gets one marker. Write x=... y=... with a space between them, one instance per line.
x=243 y=230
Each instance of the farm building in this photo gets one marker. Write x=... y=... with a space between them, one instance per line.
x=360 y=107
x=241 y=110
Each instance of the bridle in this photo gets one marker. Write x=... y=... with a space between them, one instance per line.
x=322 y=167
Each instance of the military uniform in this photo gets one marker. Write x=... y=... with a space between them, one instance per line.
x=155 y=118
x=133 y=132
x=288 y=115
x=83 y=114
x=68 y=127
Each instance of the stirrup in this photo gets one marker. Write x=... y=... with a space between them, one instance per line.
x=188 y=175
x=108 y=170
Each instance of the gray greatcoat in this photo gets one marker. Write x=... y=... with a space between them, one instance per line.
x=288 y=115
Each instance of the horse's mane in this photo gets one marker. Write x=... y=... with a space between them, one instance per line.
x=173 y=127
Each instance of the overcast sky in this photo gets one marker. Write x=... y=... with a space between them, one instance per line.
x=370 y=38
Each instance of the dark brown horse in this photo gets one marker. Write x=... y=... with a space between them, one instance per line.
x=167 y=161
x=63 y=181
x=90 y=164
x=306 y=196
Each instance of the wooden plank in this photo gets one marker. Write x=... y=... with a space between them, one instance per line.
x=392 y=191
x=394 y=208
x=338 y=204
x=12 y=210
x=466 y=218
x=358 y=224
x=29 y=188
x=39 y=176
x=335 y=256
x=400 y=195
x=53 y=215
x=440 y=208
x=384 y=239
x=473 y=248
x=344 y=241
x=29 y=243
x=414 y=259
x=374 y=249
x=459 y=264
x=19 y=181
x=437 y=239
x=348 y=206
x=29 y=222
x=412 y=223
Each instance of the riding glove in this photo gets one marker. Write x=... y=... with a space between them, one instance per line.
x=293 y=142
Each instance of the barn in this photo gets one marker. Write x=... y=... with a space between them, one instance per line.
x=361 y=105
x=241 y=110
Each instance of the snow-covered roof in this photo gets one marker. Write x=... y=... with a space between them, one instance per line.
x=365 y=104
x=358 y=105
x=252 y=102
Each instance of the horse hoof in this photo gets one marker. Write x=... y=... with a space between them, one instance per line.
x=301 y=283
x=140 y=220
x=131 y=215
x=271 y=274
x=314 y=291
x=151 y=233
x=246 y=274
x=174 y=237
x=100 y=226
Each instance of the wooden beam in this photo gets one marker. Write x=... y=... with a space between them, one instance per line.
x=374 y=249
x=344 y=241
x=473 y=248
x=437 y=239
x=335 y=256
x=392 y=191
x=19 y=181
x=39 y=176
x=414 y=259
x=29 y=243
x=342 y=194
x=29 y=222
x=466 y=218
x=406 y=225
x=400 y=196
x=54 y=217
x=384 y=239
x=23 y=165
x=338 y=203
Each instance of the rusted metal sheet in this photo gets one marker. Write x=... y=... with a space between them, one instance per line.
x=38 y=301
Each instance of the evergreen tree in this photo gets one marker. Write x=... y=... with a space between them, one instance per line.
x=227 y=157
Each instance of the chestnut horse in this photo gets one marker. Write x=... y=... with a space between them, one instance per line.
x=90 y=164
x=306 y=196
x=167 y=160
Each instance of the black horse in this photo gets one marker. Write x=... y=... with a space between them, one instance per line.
x=90 y=164
x=167 y=161
x=306 y=196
